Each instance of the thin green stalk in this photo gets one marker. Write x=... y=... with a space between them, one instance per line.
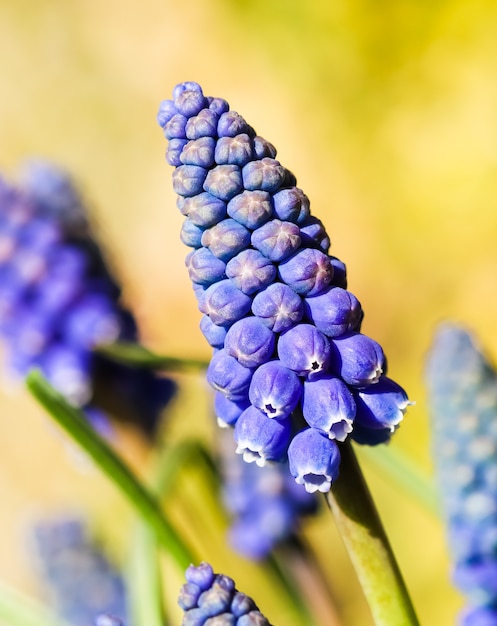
x=136 y=355
x=17 y=609
x=74 y=423
x=365 y=539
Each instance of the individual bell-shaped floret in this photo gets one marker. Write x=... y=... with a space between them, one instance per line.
x=266 y=174
x=314 y=460
x=224 y=181
x=235 y=150
x=275 y=390
x=308 y=272
x=260 y=439
x=357 y=358
x=226 y=239
x=199 y=152
x=381 y=405
x=250 y=342
x=214 y=334
x=328 y=405
x=250 y=271
x=225 y=374
x=305 y=350
x=204 y=210
x=204 y=268
x=334 y=312
x=278 y=307
x=276 y=240
x=188 y=180
x=251 y=208
x=291 y=205
x=228 y=411
x=224 y=303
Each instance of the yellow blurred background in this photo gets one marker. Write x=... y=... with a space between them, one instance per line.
x=387 y=114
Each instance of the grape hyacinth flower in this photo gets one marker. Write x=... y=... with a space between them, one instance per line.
x=462 y=388
x=207 y=598
x=78 y=579
x=59 y=301
x=289 y=357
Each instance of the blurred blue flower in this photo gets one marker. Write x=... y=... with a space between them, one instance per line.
x=280 y=302
x=462 y=388
x=79 y=581
x=59 y=301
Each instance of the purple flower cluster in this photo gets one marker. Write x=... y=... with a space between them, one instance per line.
x=293 y=373
x=209 y=598
x=58 y=300
x=265 y=503
x=83 y=587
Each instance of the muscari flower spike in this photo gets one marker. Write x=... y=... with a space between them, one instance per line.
x=209 y=598
x=462 y=394
x=58 y=301
x=293 y=373
x=81 y=584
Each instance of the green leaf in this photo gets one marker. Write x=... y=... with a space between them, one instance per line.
x=367 y=544
x=76 y=426
x=136 y=355
x=17 y=609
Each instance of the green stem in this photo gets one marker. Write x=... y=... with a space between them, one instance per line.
x=16 y=609
x=136 y=355
x=367 y=544
x=74 y=423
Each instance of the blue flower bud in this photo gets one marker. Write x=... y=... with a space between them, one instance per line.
x=203 y=575
x=226 y=375
x=250 y=342
x=165 y=112
x=219 y=105
x=190 y=102
x=308 y=272
x=328 y=405
x=381 y=405
x=305 y=350
x=250 y=271
x=263 y=148
x=314 y=460
x=199 y=152
x=231 y=124
x=214 y=334
x=224 y=303
x=188 y=596
x=275 y=389
x=291 y=205
x=224 y=181
x=175 y=127
x=260 y=439
x=234 y=150
x=228 y=411
x=215 y=600
x=358 y=359
x=204 y=210
x=174 y=150
x=278 y=307
x=276 y=240
x=242 y=604
x=188 y=180
x=185 y=86
x=334 y=312
x=226 y=239
x=266 y=174
x=202 y=125
x=204 y=268
x=251 y=208
x=314 y=234
x=191 y=234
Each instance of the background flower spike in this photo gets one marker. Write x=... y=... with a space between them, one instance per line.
x=462 y=388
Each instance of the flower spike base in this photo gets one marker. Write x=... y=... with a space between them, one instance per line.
x=367 y=544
